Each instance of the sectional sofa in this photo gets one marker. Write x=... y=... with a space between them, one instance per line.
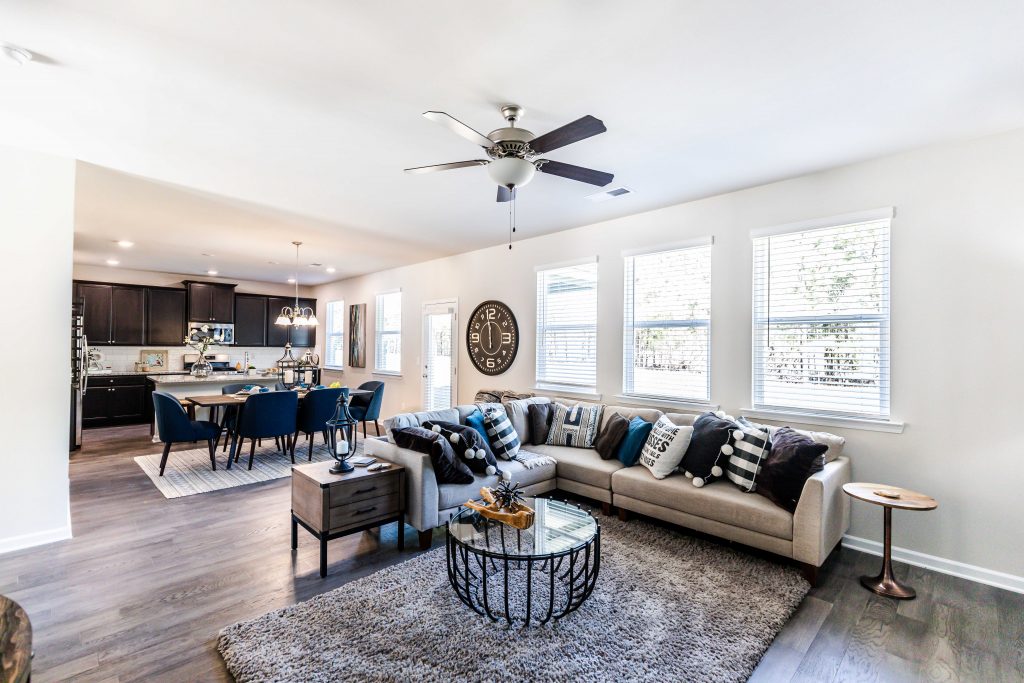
x=720 y=509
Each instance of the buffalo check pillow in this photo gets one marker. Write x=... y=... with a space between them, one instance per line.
x=751 y=444
x=501 y=434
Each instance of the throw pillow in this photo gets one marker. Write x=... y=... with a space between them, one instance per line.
x=751 y=444
x=467 y=444
x=792 y=460
x=502 y=436
x=664 y=448
x=476 y=421
x=633 y=442
x=539 y=416
x=834 y=442
x=448 y=468
x=612 y=433
x=518 y=414
x=709 y=449
x=574 y=426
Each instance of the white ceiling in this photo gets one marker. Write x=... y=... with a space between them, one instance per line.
x=303 y=113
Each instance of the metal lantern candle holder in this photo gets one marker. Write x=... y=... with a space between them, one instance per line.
x=308 y=366
x=288 y=367
x=343 y=420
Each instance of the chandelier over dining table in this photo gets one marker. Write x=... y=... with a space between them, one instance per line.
x=297 y=315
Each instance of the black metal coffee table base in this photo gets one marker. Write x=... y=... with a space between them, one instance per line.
x=522 y=590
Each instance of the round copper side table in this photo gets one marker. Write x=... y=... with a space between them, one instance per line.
x=889 y=497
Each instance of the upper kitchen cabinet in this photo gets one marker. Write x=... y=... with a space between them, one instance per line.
x=250 y=320
x=165 y=316
x=302 y=337
x=277 y=335
x=210 y=302
x=113 y=314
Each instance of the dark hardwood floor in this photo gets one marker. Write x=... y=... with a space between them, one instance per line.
x=146 y=583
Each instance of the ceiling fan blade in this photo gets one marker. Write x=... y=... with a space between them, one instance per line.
x=504 y=195
x=584 y=175
x=447 y=167
x=459 y=128
x=580 y=129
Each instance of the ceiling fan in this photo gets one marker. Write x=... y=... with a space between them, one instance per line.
x=512 y=152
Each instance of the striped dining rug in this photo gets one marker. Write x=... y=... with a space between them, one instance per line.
x=188 y=471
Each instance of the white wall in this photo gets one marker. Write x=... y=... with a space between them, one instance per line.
x=957 y=324
x=36 y=221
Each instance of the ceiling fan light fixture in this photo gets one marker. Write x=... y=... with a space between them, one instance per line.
x=511 y=172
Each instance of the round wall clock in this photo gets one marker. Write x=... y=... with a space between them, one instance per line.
x=492 y=337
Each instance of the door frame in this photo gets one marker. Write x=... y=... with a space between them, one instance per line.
x=454 y=303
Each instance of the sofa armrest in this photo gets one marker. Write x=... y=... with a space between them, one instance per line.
x=420 y=482
x=823 y=514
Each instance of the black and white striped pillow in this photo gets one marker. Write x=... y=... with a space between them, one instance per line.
x=501 y=433
x=750 y=446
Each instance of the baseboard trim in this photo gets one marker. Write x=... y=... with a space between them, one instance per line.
x=962 y=570
x=38 y=538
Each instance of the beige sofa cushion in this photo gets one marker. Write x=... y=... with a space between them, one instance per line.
x=720 y=501
x=453 y=495
x=629 y=412
x=581 y=464
x=682 y=419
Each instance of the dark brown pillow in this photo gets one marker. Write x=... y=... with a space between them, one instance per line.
x=539 y=417
x=448 y=467
x=612 y=433
x=788 y=466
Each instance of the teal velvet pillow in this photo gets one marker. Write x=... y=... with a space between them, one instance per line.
x=476 y=421
x=633 y=443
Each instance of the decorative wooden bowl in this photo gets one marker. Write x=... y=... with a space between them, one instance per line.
x=519 y=516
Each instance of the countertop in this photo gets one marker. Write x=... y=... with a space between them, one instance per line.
x=214 y=378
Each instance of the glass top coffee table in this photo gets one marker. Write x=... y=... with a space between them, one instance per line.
x=528 y=576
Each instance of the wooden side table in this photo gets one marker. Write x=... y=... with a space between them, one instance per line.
x=15 y=643
x=333 y=505
x=889 y=497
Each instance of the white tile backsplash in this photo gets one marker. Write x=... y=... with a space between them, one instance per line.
x=121 y=358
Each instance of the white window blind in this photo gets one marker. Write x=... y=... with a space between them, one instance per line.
x=567 y=327
x=667 y=324
x=334 y=345
x=821 y=320
x=388 y=347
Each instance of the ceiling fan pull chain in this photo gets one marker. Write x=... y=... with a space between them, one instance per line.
x=510 y=221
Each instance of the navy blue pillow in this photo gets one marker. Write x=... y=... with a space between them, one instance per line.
x=633 y=443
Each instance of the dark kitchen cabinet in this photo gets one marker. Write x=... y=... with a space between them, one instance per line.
x=114 y=314
x=116 y=400
x=250 y=320
x=302 y=337
x=277 y=335
x=210 y=302
x=165 y=317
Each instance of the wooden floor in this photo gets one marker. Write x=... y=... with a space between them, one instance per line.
x=146 y=583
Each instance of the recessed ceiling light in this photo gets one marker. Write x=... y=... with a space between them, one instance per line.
x=112 y=262
x=126 y=244
x=291 y=281
x=15 y=54
x=330 y=269
x=211 y=272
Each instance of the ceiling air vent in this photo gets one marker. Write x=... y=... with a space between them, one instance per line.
x=605 y=195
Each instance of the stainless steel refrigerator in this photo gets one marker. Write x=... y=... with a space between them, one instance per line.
x=79 y=370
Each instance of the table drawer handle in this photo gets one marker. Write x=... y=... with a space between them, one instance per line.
x=364 y=510
x=372 y=488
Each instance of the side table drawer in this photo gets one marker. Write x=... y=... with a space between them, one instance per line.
x=364 y=510
x=362 y=489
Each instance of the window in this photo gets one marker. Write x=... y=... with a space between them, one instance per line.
x=667 y=323
x=334 y=345
x=388 y=355
x=567 y=327
x=821 y=318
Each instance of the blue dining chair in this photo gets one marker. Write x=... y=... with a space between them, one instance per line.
x=265 y=415
x=227 y=420
x=174 y=426
x=315 y=409
x=365 y=408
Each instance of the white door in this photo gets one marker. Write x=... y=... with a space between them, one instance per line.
x=440 y=330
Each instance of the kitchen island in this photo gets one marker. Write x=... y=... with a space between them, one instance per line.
x=183 y=385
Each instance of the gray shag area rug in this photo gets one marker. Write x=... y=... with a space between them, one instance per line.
x=667 y=607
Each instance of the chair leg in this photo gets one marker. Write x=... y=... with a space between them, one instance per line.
x=376 y=427
x=213 y=450
x=312 y=437
x=163 y=459
x=364 y=429
x=252 y=451
x=289 y=446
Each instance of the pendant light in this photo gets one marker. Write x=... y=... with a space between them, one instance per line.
x=297 y=316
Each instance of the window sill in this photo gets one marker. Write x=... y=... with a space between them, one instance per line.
x=661 y=401
x=568 y=393
x=334 y=368
x=388 y=373
x=869 y=425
